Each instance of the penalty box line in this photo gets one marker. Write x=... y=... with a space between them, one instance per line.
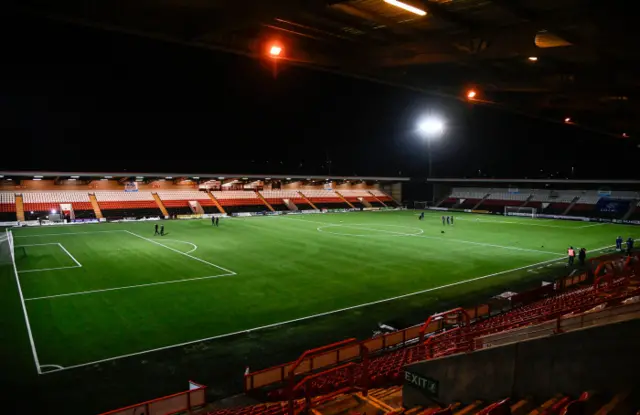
x=313 y=316
x=227 y=273
x=78 y=264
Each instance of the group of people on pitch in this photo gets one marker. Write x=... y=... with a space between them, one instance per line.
x=161 y=233
x=582 y=256
x=629 y=244
x=582 y=252
x=445 y=219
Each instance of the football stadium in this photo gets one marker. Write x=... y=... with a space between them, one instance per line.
x=344 y=207
x=113 y=272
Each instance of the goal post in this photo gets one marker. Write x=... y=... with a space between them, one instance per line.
x=418 y=205
x=6 y=247
x=527 y=212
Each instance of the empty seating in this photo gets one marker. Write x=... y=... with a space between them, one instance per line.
x=181 y=199
x=324 y=198
x=7 y=207
x=47 y=201
x=127 y=204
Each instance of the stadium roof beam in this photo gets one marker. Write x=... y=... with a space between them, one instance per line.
x=510 y=181
x=202 y=176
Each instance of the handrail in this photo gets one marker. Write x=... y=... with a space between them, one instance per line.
x=444 y=314
x=350 y=366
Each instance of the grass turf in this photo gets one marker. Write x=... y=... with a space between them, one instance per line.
x=136 y=291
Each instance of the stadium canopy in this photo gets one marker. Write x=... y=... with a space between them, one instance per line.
x=555 y=59
x=29 y=175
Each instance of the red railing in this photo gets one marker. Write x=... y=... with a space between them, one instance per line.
x=166 y=405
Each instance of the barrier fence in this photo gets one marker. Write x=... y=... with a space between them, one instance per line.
x=167 y=405
x=350 y=351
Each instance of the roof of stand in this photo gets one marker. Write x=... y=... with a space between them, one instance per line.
x=555 y=59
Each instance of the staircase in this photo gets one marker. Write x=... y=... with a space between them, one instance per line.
x=160 y=205
x=573 y=203
x=344 y=200
x=292 y=206
x=308 y=201
x=481 y=201
x=96 y=206
x=364 y=202
x=632 y=208
x=19 y=208
x=527 y=201
x=380 y=201
x=215 y=201
x=265 y=201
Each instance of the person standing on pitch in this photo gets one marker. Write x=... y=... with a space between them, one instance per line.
x=572 y=256
x=448 y=220
x=443 y=220
x=213 y=221
x=629 y=245
x=582 y=255
x=156 y=232
x=619 y=243
x=162 y=230
x=452 y=219
x=421 y=216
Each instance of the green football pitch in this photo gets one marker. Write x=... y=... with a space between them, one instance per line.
x=100 y=292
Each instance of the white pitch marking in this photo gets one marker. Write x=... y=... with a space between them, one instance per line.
x=58 y=367
x=127 y=287
x=65 y=250
x=182 y=253
x=21 y=246
x=185 y=242
x=326 y=313
x=589 y=226
x=356 y=226
x=67 y=233
x=46 y=269
x=24 y=311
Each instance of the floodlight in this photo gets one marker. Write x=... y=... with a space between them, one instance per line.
x=275 y=50
x=431 y=127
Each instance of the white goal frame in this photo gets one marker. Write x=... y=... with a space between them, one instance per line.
x=527 y=212
x=421 y=205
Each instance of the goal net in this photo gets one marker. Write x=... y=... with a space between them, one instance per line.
x=420 y=205
x=520 y=211
x=6 y=247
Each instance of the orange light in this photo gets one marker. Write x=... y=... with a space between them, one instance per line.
x=471 y=94
x=275 y=50
x=533 y=58
x=567 y=120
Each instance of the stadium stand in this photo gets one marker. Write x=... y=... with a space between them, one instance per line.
x=554 y=202
x=360 y=198
x=7 y=206
x=38 y=204
x=277 y=199
x=327 y=199
x=239 y=201
x=379 y=362
x=118 y=205
x=177 y=201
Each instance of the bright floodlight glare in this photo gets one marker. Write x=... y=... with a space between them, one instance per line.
x=471 y=94
x=567 y=120
x=431 y=127
x=533 y=58
x=275 y=50
x=406 y=7
x=53 y=211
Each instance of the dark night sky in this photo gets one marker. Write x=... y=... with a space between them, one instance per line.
x=79 y=99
